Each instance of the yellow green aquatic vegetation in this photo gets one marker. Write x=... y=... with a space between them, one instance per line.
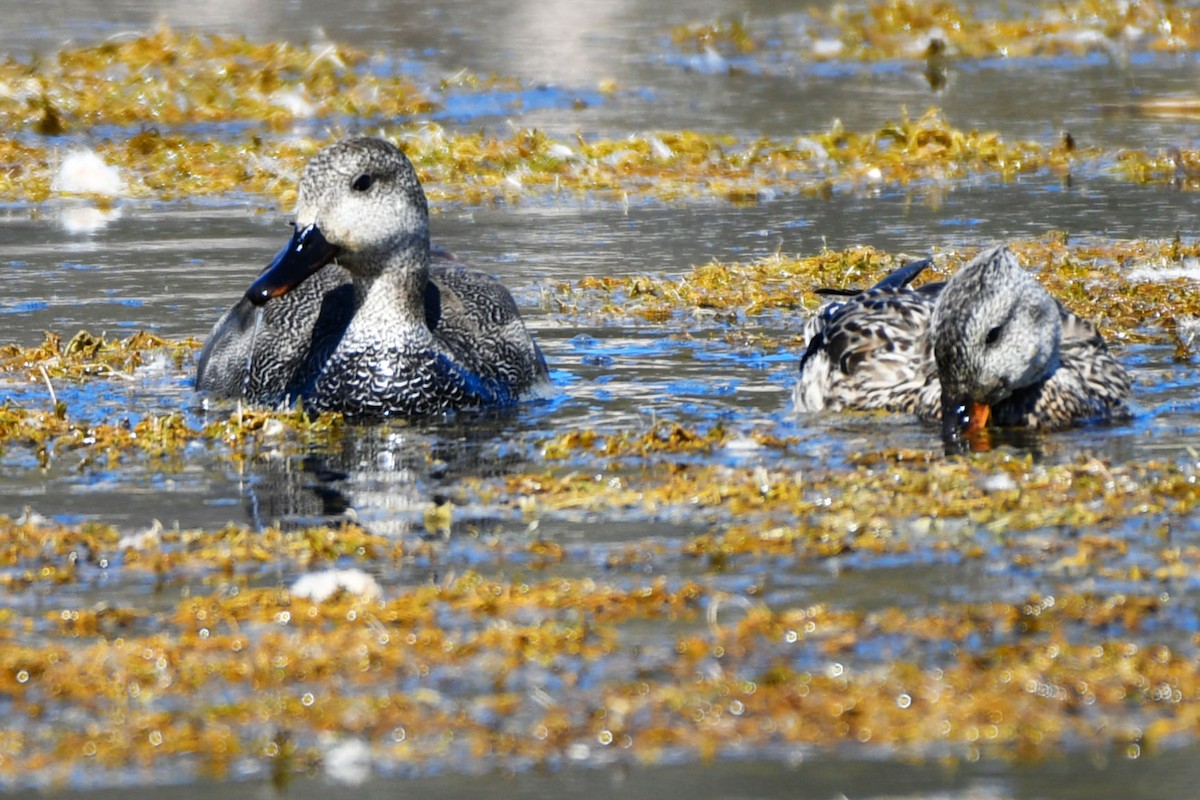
x=775 y=282
x=879 y=503
x=65 y=433
x=174 y=166
x=54 y=430
x=1096 y=279
x=88 y=356
x=62 y=435
x=484 y=167
x=245 y=429
x=1019 y=695
x=36 y=550
x=168 y=166
x=932 y=506
x=58 y=434
x=225 y=663
x=40 y=551
x=471 y=596
x=219 y=675
x=724 y=35
x=905 y=29
x=259 y=644
x=235 y=554
x=668 y=438
x=169 y=77
x=1176 y=167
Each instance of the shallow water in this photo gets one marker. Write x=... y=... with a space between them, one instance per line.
x=172 y=268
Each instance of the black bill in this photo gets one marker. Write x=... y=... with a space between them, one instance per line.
x=306 y=253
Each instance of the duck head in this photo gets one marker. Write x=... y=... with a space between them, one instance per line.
x=995 y=331
x=360 y=202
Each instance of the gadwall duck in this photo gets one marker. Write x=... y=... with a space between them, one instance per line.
x=988 y=345
x=394 y=328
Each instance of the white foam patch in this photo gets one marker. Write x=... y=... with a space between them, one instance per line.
x=84 y=172
x=998 y=482
x=662 y=151
x=320 y=586
x=348 y=762
x=1189 y=270
x=294 y=103
x=149 y=539
x=827 y=48
x=1188 y=329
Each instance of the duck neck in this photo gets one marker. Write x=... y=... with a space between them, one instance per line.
x=391 y=292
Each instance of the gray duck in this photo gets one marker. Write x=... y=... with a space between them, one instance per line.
x=395 y=327
x=989 y=345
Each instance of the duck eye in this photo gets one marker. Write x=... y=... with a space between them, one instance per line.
x=993 y=335
x=362 y=183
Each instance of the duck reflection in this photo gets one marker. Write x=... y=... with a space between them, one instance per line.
x=388 y=478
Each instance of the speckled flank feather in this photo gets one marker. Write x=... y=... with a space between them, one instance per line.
x=869 y=352
x=265 y=360
x=993 y=329
x=384 y=332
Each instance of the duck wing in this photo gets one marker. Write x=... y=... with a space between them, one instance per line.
x=256 y=354
x=479 y=322
x=270 y=355
x=896 y=279
x=870 y=352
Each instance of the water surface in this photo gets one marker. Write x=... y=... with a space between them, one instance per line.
x=172 y=267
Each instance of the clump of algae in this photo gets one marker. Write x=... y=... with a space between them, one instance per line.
x=55 y=430
x=906 y=29
x=88 y=356
x=171 y=78
x=482 y=167
x=1102 y=280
